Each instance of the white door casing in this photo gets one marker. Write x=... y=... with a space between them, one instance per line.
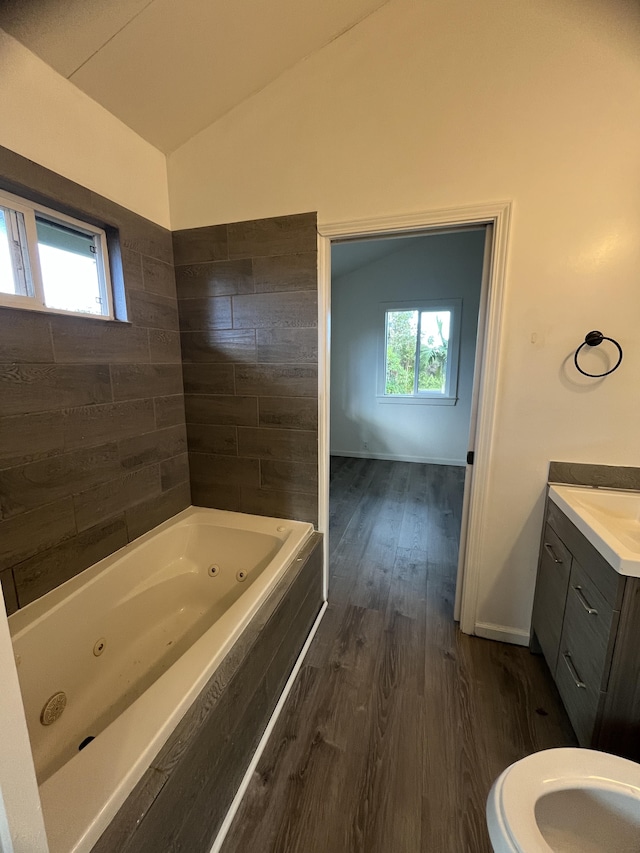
x=473 y=420
x=487 y=370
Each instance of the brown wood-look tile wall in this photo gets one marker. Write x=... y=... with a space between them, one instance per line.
x=247 y=297
x=93 y=447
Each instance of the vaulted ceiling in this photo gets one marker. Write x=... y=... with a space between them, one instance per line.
x=169 y=68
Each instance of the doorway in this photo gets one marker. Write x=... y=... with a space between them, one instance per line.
x=495 y=219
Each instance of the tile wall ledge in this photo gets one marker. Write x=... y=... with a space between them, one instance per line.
x=585 y=474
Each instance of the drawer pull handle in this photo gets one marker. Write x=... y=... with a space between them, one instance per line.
x=574 y=674
x=583 y=601
x=554 y=556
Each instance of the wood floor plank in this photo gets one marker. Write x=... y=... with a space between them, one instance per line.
x=375 y=566
x=388 y=796
x=397 y=724
x=449 y=785
x=413 y=531
x=351 y=478
x=408 y=589
x=371 y=500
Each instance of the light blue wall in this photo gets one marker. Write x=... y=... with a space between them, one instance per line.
x=431 y=267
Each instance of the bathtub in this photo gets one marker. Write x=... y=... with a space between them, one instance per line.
x=110 y=661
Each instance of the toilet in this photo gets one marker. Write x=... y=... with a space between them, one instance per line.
x=566 y=801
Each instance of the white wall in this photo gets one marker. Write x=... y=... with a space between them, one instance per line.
x=437 y=266
x=442 y=103
x=47 y=119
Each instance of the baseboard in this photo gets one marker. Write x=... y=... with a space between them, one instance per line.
x=502 y=633
x=235 y=805
x=394 y=457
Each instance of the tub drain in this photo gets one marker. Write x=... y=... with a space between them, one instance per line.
x=53 y=708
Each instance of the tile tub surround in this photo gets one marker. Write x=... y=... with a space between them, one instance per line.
x=181 y=801
x=93 y=449
x=604 y=476
x=247 y=296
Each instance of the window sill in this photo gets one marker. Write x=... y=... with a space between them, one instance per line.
x=28 y=304
x=417 y=401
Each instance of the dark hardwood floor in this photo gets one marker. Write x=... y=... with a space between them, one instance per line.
x=397 y=724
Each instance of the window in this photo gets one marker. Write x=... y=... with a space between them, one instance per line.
x=51 y=262
x=420 y=351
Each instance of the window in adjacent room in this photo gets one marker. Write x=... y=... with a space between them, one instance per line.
x=420 y=352
x=52 y=262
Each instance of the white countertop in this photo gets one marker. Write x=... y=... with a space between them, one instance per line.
x=609 y=519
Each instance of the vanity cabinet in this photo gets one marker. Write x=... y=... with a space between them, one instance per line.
x=586 y=622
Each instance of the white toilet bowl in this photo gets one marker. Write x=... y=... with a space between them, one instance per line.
x=566 y=801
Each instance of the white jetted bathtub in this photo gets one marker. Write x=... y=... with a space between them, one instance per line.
x=110 y=661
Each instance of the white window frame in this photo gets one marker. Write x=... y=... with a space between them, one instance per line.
x=36 y=302
x=421 y=398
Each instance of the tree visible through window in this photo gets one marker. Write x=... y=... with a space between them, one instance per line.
x=417 y=353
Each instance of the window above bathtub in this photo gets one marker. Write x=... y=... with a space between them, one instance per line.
x=52 y=262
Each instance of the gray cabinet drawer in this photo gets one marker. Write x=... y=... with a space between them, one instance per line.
x=583 y=662
x=551 y=592
x=579 y=698
x=588 y=622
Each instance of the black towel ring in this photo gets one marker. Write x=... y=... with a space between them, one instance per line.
x=594 y=339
